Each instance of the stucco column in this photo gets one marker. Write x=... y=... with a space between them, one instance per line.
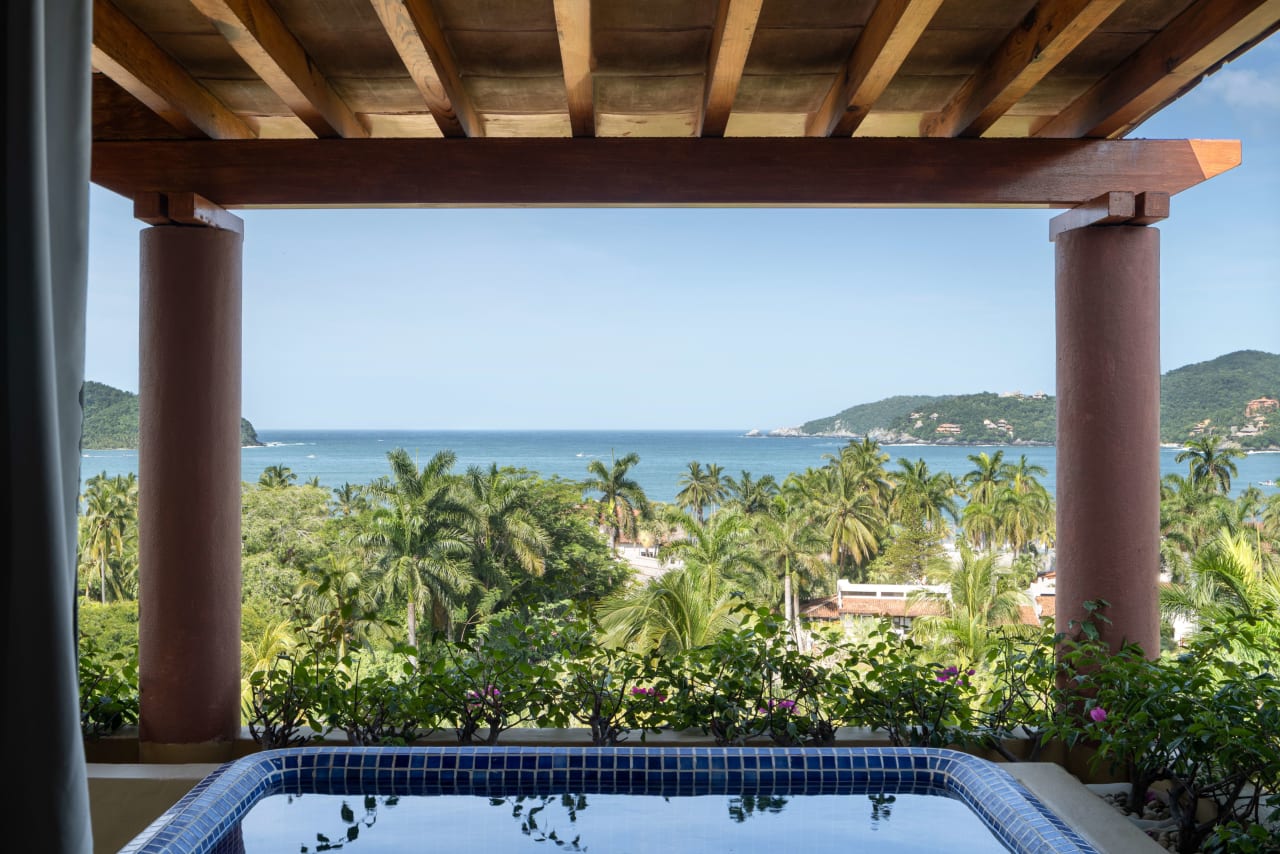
x=189 y=494
x=1108 y=467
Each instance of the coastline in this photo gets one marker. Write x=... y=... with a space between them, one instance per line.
x=793 y=433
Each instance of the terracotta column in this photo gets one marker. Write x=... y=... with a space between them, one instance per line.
x=1108 y=468
x=189 y=494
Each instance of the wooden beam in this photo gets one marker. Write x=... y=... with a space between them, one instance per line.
x=891 y=32
x=256 y=32
x=151 y=208
x=1107 y=209
x=1123 y=208
x=730 y=42
x=1150 y=208
x=1046 y=35
x=184 y=209
x=194 y=209
x=573 y=27
x=1205 y=34
x=129 y=57
x=654 y=171
x=416 y=33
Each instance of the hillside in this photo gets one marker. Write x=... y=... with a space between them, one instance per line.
x=984 y=418
x=111 y=419
x=1236 y=396
x=1214 y=397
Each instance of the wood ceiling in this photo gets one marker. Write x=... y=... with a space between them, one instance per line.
x=262 y=70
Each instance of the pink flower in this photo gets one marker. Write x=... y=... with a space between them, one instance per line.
x=1098 y=714
x=648 y=692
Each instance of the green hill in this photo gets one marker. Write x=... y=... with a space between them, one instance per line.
x=1213 y=397
x=1206 y=397
x=111 y=419
x=970 y=418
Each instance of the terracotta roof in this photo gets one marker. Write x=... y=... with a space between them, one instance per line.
x=868 y=606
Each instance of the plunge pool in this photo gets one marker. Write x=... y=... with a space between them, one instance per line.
x=607 y=799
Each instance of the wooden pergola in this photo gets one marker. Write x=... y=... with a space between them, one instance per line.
x=201 y=107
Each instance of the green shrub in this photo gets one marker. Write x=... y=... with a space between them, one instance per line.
x=108 y=689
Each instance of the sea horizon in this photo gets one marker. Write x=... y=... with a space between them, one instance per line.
x=358 y=456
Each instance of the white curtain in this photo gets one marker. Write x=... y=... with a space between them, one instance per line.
x=46 y=128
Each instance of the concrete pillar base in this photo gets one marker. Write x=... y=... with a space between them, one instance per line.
x=202 y=753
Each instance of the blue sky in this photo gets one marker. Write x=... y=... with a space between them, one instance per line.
x=697 y=318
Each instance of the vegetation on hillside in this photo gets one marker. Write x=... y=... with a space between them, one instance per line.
x=1206 y=398
x=111 y=419
x=1219 y=391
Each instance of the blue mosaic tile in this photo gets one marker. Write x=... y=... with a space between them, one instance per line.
x=206 y=820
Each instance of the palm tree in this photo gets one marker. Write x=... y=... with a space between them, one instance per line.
x=276 y=477
x=864 y=461
x=749 y=495
x=1024 y=477
x=980 y=601
x=790 y=546
x=109 y=524
x=720 y=546
x=845 y=497
x=418 y=528
x=986 y=478
x=621 y=498
x=1024 y=517
x=919 y=493
x=503 y=534
x=699 y=488
x=1270 y=518
x=1230 y=579
x=349 y=499
x=1189 y=513
x=261 y=654
x=339 y=600
x=1212 y=463
x=677 y=611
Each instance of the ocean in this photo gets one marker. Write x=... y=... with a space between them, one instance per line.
x=359 y=456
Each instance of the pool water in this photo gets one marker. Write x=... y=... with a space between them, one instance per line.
x=625 y=799
x=745 y=824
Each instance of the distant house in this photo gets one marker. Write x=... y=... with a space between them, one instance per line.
x=948 y=429
x=896 y=603
x=1260 y=405
x=874 y=602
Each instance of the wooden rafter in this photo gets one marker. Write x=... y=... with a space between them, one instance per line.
x=888 y=37
x=1049 y=32
x=573 y=26
x=129 y=57
x=256 y=32
x=730 y=41
x=416 y=33
x=1205 y=34
x=662 y=171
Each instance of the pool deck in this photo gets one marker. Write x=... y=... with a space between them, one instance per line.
x=1086 y=813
